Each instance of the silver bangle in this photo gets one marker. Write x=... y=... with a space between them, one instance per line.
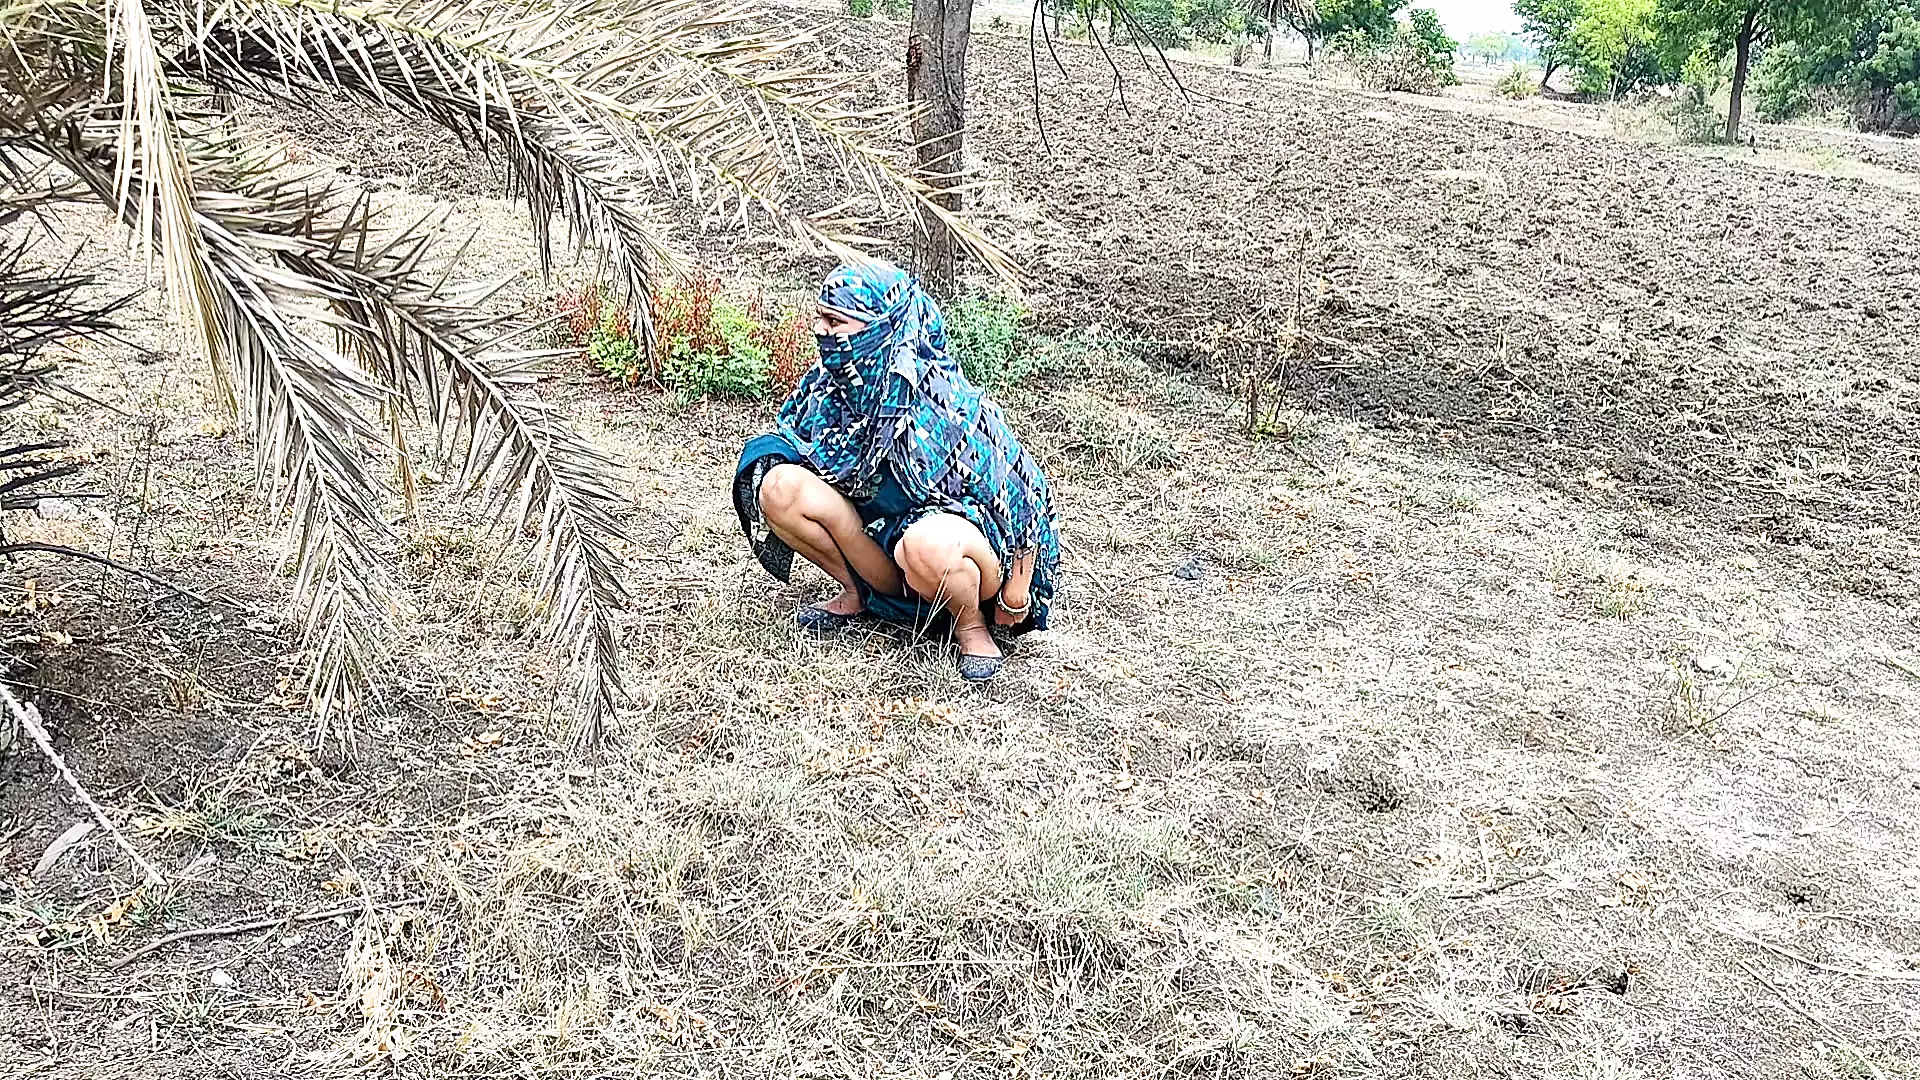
x=1017 y=611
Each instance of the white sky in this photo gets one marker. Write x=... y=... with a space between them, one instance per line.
x=1466 y=17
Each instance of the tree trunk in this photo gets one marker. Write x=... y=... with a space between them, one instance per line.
x=937 y=84
x=1742 y=53
x=1552 y=66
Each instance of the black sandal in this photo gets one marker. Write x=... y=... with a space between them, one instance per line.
x=979 y=669
x=819 y=620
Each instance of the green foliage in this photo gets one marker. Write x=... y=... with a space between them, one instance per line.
x=1894 y=66
x=897 y=10
x=860 y=9
x=1549 y=23
x=1494 y=48
x=1163 y=21
x=1430 y=46
x=1414 y=58
x=1217 y=21
x=1810 y=53
x=985 y=332
x=735 y=366
x=1614 y=45
x=1353 y=22
x=612 y=348
x=1694 y=119
x=1519 y=82
x=709 y=345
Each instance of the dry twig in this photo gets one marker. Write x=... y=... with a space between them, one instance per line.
x=29 y=718
x=229 y=929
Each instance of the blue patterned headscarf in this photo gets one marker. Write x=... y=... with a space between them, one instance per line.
x=892 y=396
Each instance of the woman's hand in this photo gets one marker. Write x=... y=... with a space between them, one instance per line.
x=1016 y=593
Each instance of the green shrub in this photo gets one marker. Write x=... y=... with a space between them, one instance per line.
x=1216 y=20
x=736 y=365
x=1427 y=41
x=860 y=9
x=1164 y=22
x=1694 y=119
x=897 y=10
x=985 y=332
x=1519 y=82
x=708 y=345
x=612 y=348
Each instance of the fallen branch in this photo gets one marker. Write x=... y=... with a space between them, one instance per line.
x=1787 y=999
x=1492 y=887
x=230 y=929
x=143 y=575
x=29 y=718
x=1857 y=973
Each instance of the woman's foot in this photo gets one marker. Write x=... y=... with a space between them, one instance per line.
x=832 y=616
x=980 y=658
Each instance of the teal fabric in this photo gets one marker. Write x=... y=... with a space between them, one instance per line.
x=891 y=400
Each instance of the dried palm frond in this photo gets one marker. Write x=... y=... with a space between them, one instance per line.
x=38 y=307
x=602 y=110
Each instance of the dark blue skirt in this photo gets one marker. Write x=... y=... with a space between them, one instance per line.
x=888 y=512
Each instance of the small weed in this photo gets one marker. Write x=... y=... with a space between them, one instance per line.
x=788 y=342
x=1518 y=83
x=1705 y=693
x=613 y=349
x=434 y=547
x=731 y=361
x=580 y=311
x=985 y=333
x=1625 y=590
x=860 y=9
x=206 y=816
x=897 y=10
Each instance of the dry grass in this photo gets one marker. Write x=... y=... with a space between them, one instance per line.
x=1164 y=846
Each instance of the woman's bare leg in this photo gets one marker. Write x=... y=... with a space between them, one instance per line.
x=948 y=563
x=823 y=526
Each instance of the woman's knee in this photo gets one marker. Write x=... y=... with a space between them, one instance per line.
x=930 y=559
x=786 y=491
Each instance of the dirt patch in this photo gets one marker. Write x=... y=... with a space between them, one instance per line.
x=1622 y=321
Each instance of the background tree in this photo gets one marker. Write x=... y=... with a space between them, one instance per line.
x=1716 y=27
x=1549 y=23
x=1867 y=62
x=1615 y=47
x=323 y=327
x=937 y=88
x=1493 y=48
x=1300 y=16
x=1319 y=21
x=1373 y=20
x=1431 y=45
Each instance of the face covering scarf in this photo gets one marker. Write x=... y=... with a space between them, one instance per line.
x=891 y=397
